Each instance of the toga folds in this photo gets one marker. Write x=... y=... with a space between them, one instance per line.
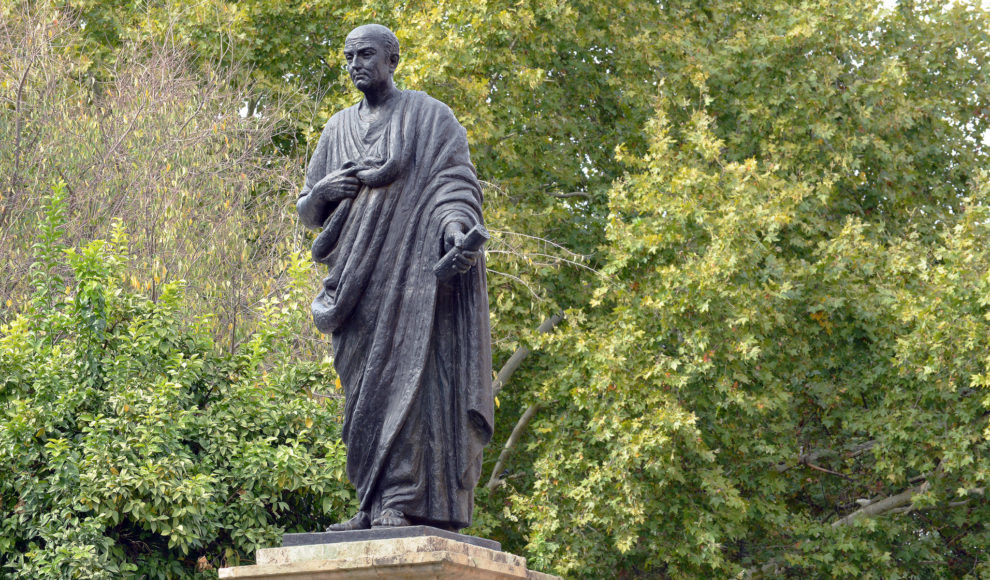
x=413 y=354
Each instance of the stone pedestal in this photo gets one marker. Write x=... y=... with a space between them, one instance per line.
x=417 y=552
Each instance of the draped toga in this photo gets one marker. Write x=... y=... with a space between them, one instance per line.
x=413 y=354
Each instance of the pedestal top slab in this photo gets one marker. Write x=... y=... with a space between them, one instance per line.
x=421 y=557
x=385 y=534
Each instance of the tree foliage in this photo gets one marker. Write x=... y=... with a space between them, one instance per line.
x=765 y=224
x=150 y=142
x=133 y=446
x=782 y=369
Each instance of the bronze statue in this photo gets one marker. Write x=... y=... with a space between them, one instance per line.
x=393 y=188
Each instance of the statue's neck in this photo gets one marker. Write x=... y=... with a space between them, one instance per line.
x=373 y=111
x=377 y=100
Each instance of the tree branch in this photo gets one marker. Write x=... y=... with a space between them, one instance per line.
x=18 y=130
x=583 y=194
x=521 y=353
x=883 y=506
x=506 y=372
x=828 y=471
x=517 y=431
x=814 y=456
x=895 y=504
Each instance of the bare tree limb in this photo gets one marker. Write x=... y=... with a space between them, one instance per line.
x=504 y=374
x=18 y=130
x=895 y=504
x=521 y=353
x=18 y=108
x=814 y=456
x=517 y=432
x=883 y=506
x=543 y=255
x=517 y=279
x=828 y=471
x=494 y=186
x=582 y=194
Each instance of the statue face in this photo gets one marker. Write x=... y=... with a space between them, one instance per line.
x=368 y=62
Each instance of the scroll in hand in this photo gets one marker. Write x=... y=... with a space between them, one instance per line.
x=462 y=251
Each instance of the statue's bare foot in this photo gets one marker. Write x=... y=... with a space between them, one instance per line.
x=390 y=518
x=358 y=522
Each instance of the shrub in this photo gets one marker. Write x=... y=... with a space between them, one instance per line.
x=133 y=444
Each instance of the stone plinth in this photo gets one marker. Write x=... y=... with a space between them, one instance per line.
x=385 y=534
x=405 y=555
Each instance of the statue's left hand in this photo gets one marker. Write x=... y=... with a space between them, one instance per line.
x=454 y=238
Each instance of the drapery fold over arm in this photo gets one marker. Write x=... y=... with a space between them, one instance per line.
x=316 y=204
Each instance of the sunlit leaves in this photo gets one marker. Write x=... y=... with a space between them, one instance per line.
x=133 y=446
x=792 y=323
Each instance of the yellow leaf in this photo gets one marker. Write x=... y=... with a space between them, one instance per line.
x=497 y=403
x=309 y=422
x=336 y=383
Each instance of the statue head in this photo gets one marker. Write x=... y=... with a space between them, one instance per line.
x=372 y=53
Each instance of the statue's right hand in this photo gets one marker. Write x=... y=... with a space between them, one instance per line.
x=338 y=185
x=320 y=201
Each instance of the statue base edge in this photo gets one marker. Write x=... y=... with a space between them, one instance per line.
x=385 y=534
x=409 y=558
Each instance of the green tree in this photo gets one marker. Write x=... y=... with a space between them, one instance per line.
x=155 y=142
x=133 y=446
x=782 y=370
x=779 y=368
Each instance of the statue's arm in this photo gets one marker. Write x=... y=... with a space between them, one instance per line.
x=313 y=210
x=460 y=215
x=312 y=213
x=317 y=202
x=326 y=184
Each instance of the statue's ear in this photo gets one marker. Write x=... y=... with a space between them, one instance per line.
x=393 y=60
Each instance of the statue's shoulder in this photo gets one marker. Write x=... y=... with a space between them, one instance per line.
x=342 y=115
x=336 y=122
x=340 y=119
x=420 y=98
x=426 y=103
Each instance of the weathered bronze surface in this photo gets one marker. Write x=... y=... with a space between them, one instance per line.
x=393 y=188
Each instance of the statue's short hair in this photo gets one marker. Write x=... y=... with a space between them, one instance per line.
x=388 y=38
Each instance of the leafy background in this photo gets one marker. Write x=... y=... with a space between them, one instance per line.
x=739 y=281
